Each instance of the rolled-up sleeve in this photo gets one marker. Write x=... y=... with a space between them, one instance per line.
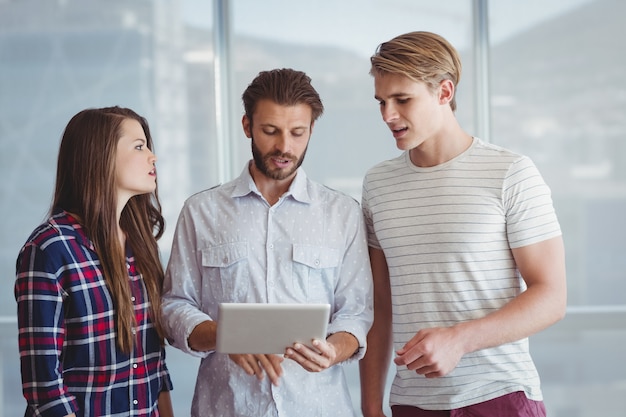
x=353 y=309
x=182 y=288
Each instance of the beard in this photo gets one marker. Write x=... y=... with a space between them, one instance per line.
x=263 y=164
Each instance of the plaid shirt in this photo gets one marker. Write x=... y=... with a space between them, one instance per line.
x=70 y=361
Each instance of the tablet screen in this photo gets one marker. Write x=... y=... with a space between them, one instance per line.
x=269 y=328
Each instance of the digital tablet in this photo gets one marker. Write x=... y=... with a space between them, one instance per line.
x=269 y=328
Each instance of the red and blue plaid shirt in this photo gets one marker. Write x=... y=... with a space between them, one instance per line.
x=70 y=360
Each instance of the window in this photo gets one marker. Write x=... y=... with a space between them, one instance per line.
x=556 y=95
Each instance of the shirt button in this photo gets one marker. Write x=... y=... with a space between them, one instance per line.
x=134 y=331
x=317 y=262
x=134 y=365
x=135 y=402
x=225 y=260
x=271 y=246
x=132 y=298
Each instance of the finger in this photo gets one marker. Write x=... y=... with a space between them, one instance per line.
x=272 y=372
x=410 y=344
x=276 y=361
x=253 y=363
x=242 y=362
x=327 y=351
x=323 y=348
x=404 y=359
x=308 y=359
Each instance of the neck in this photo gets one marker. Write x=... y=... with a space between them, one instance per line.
x=441 y=147
x=121 y=236
x=270 y=188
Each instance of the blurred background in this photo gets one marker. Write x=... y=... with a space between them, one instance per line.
x=542 y=77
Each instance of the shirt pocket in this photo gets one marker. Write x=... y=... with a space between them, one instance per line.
x=315 y=272
x=226 y=270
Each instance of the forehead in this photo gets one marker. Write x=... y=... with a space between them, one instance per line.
x=390 y=85
x=131 y=129
x=268 y=112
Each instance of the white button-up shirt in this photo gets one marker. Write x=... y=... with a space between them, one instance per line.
x=230 y=245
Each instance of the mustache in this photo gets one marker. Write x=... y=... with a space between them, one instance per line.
x=281 y=155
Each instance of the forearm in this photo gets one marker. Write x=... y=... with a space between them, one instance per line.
x=542 y=265
x=532 y=311
x=165 y=404
x=203 y=336
x=375 y=365
x=373 y=368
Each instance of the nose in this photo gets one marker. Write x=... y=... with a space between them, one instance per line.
x=388 y=112
x=153 y=158
x=283 y=143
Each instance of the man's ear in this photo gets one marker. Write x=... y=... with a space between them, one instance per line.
x=245 y=123
x=446 y=92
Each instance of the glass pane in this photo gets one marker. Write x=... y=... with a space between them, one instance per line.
x=59 y=57
x=557 y=96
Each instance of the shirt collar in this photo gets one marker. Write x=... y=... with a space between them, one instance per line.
x=298 y=189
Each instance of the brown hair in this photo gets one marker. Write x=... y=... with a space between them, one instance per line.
x=85 y=186
x=421 y=56
x=285 y=87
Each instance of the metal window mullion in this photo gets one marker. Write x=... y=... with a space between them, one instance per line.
x=482 y=114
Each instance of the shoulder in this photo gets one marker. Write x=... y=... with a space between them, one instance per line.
x=205 y=195
x=387 y=165
x=58 y=228
x=53 y=243
x=499 y=161
x=495 y=153
x=332 y=199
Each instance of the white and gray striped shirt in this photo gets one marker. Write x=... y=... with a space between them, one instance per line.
x=447 y=233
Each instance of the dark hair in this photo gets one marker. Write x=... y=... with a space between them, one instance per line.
x=85 y=187
x=285 y=87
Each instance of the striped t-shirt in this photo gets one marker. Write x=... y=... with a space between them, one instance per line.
x=447 y=233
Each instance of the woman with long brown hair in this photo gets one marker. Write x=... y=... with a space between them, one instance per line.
x=89 y=279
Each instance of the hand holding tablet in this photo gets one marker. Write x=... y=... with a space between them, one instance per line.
x=269 y=328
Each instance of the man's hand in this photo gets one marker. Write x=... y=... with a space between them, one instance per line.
x=260 y=364
x=323 y=356
x=325 y=353
x=431 y=352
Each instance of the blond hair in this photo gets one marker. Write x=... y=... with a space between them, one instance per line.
x=421 y=56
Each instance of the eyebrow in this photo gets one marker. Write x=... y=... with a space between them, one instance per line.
x=394 y=95
x=276 y=127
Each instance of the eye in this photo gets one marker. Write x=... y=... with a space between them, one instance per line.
x=140 y=147
x=403 y=100
x=297 y=133
x=269 y=131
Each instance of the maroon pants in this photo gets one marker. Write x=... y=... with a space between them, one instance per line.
x=510 y=405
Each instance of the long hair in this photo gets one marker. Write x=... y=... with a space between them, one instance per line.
x=421 y=56
x=85 y=186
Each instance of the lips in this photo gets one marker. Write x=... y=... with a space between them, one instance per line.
x=281 y=162
x=399 y=132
